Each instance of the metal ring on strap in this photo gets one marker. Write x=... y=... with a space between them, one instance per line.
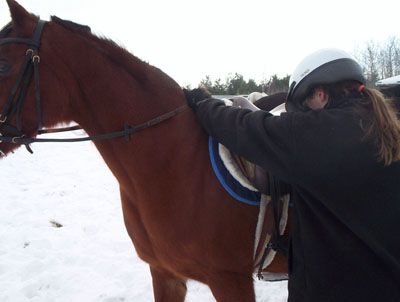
x=14 y=139
x=37 y=58
x=29 y=51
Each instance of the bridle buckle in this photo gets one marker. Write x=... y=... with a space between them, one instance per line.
x=29 y=52
x=36 y=59
x=15 y=138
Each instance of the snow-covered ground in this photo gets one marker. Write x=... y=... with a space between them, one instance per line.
x=90 y=258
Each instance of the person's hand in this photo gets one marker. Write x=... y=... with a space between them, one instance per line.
x=194 y=96
x=242 y=102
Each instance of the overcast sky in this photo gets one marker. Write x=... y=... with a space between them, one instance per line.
x=256 y=38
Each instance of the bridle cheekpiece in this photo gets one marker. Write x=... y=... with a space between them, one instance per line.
x=15 y=101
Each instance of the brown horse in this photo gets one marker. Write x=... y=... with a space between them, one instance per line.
x=181 y=221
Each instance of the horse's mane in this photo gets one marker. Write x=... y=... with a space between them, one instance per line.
x=117 y=54
x=71 y=25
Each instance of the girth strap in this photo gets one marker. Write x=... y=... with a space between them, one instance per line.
x=278 y=243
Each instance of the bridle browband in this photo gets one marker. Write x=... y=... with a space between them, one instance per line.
x=15 y=101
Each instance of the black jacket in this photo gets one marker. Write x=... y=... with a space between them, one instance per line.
x=345 y=243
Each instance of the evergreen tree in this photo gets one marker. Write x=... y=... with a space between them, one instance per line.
x=236 y=85
x=276 y=84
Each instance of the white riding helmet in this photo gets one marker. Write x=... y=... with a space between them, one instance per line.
x=325 y=66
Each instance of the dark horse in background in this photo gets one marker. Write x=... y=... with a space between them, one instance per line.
x=181 y=221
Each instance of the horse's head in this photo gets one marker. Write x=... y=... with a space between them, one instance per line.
x=58 y=71
x=24 y=90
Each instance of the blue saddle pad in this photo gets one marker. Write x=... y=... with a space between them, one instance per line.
x=228 y=181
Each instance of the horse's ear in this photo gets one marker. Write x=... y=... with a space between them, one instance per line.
x=21 y=19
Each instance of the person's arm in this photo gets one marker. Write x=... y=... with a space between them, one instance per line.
x=260 y=137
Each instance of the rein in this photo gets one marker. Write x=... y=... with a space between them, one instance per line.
x=127 y=132
x=15 y=101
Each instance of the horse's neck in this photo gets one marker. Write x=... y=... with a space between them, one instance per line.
x=110 y=97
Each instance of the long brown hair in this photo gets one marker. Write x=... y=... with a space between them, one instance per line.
x=379 y=118
x=383 y=125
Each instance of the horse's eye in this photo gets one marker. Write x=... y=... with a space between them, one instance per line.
x=4 y=67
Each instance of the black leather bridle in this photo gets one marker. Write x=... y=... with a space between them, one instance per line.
x=15 y=101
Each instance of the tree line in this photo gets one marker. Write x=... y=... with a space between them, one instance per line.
x=379 y=61
x=236 y=84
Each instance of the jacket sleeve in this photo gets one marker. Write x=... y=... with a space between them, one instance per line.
x=258 y=136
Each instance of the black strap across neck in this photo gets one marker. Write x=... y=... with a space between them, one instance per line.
x=127 y=132
x=15 y=101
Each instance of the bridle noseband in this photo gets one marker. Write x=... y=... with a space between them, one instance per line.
x=14 y=104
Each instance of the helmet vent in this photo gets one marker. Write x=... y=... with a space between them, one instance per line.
x=305 y=73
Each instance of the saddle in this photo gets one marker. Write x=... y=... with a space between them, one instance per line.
x=273 y=206
x=255 y=174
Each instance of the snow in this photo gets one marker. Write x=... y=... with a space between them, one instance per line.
x=393 y=81
x=90 y=257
